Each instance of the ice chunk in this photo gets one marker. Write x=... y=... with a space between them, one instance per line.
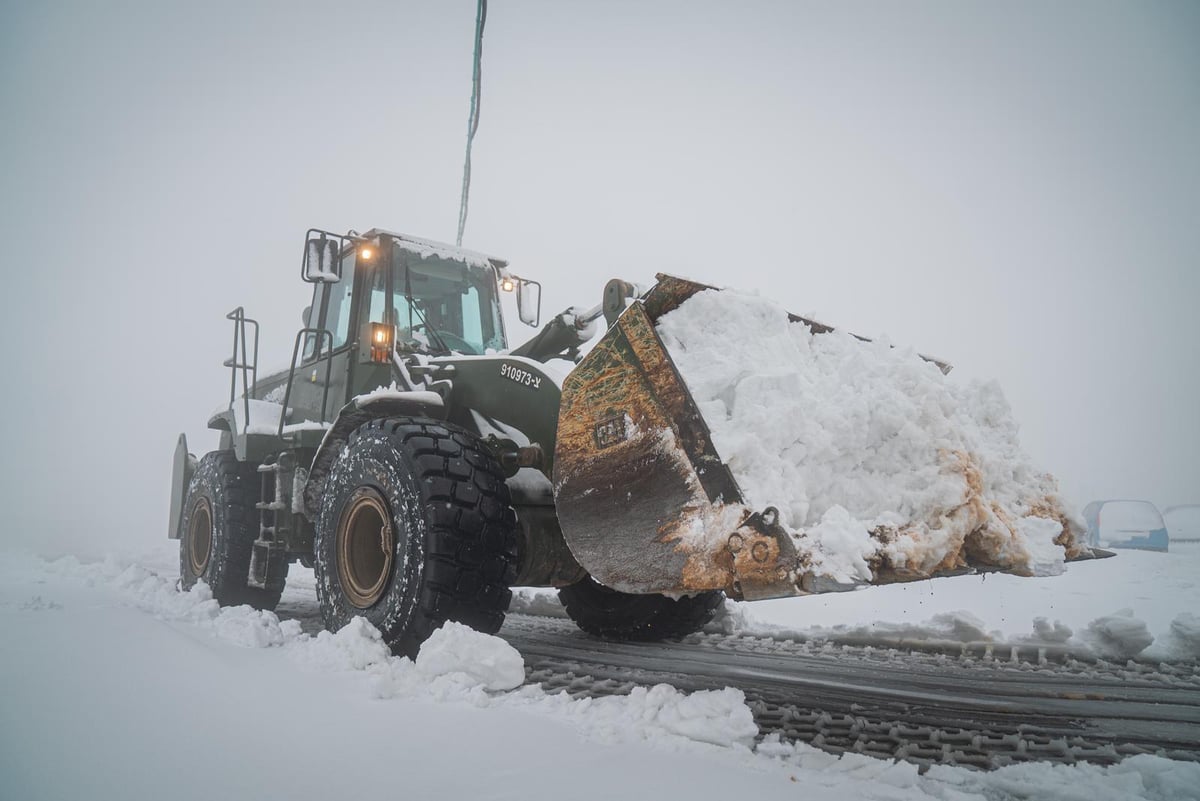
x=720 y=717
x=844 y=545
x=253 y=628
x=1045 y=631
x=1117 y=636
x=1046 y=557
x=1183 y=637
x=355 y=646
x=486 y=660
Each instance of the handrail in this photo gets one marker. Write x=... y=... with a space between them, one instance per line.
x=321 y=333
x=249 y=368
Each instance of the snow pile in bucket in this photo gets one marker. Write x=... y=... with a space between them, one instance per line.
x=874 y=458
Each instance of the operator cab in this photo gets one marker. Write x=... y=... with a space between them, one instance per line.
x=387 y=289
x=438 y=301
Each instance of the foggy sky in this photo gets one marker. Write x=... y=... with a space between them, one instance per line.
x=1014 y=188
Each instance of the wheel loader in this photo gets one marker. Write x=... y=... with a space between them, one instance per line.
x=421 y=467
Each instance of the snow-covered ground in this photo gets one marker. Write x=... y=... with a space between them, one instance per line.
x=1159 y=590
x=118 y=686
x=1138 y=603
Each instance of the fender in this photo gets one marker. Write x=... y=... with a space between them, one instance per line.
x=222 y=421
x=372 y=406
x=516 y=391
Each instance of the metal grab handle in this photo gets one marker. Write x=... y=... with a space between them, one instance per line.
x=249 y=368
x=321 y=334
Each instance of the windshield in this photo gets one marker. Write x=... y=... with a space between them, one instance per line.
x=452 y=304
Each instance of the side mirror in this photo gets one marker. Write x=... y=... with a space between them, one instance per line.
x=529 y=302
x=304 y=315
x=322 y=259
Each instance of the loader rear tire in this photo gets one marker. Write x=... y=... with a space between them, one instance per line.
x=613 y=615
x=219 y=527
x=416 y=528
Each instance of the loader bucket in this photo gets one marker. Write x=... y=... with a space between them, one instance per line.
x=644 y=500
x=645 y=503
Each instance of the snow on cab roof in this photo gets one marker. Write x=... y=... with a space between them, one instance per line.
x=427 y=248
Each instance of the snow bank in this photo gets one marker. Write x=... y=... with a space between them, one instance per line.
x=832 y=770
x=712 y=725
x=456 y=664
x=1140 y=777
x=1143 y=776
x=489 y=662
x=355 y=646
x=1046 y=632
x=1117 y=636
x=959 y=626
x=1183 y=638
x=469 y=659
x=152 y=593
x=1161 y=588
x=875 y=459
x=718 y=717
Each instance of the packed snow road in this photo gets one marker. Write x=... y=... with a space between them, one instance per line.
x=139 y=683
x=980 y=710
x=913 y=706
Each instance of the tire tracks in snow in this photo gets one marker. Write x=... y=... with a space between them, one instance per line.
x=926 y=706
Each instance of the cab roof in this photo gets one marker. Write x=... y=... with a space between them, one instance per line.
x=428 y=248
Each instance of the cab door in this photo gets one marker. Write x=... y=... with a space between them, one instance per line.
x=323 y=377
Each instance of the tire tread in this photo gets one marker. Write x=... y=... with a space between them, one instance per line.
x=238 y=485
x=613 y=615
x=470 y=548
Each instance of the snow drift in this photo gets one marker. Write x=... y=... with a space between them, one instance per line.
x=661 y=738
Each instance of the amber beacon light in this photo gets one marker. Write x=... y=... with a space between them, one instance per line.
x=381 y=342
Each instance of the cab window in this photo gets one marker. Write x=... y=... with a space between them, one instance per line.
x=472 y=323
x=337 y=313
x=320 y=292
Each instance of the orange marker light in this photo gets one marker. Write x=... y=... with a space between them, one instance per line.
x=381 y=342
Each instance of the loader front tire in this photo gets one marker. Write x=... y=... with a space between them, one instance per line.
x=416 y=528
x=613 y=615
x=218 y=531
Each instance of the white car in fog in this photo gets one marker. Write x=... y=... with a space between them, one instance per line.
x=1126 y=524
